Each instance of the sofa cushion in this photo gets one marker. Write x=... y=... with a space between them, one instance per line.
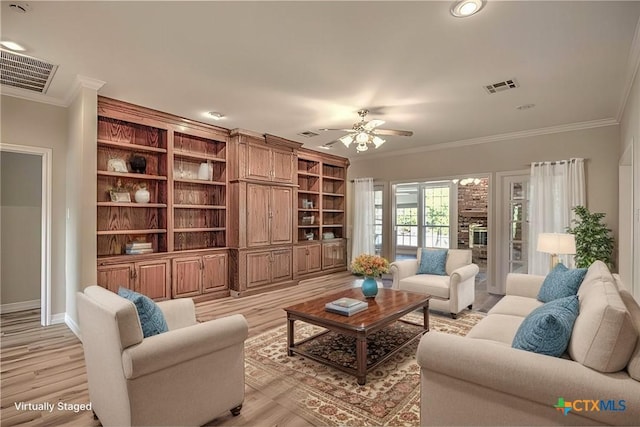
x=561 y=282
x=500 y=328
x=596 y=273
x=633 y=367
x=515 y=305
x=547 y=329
x=436 y=286
x=603 y=336
x=151 y=317
x=433 y=261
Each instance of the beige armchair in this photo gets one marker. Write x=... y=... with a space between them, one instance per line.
x=187 y=376
x=451 y=293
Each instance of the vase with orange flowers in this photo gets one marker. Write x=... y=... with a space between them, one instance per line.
x=369 y=266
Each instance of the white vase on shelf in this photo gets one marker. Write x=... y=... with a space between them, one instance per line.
x=205 y=171
x=142 y=196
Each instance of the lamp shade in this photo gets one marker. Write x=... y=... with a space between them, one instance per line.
x=557 y=243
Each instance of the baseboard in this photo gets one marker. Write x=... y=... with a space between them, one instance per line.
x=56 y=319
x=19 y=306
x=72 y=325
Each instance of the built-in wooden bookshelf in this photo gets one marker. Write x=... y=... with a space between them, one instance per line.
x=185 y=219
x=120 y=219
x=226 y=211
x=200 y=192
x=321 y=219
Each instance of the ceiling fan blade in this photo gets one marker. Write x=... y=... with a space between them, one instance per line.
x=330 y=143
x=343 y=130
x=373 y=124
x=393 y=132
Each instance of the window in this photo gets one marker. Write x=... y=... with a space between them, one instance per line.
x=422 y=216
x=436 y=216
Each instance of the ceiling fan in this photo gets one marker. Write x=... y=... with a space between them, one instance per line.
x=364 y=133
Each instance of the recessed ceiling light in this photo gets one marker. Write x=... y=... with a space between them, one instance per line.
x=464 y=8
x=12 y=46
x=215 y=115
x=525 y=106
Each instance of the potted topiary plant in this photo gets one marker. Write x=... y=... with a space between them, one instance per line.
x=593 y=238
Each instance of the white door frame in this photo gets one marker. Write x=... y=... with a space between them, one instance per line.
x=45 y=252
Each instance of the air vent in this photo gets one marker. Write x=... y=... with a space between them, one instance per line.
x=308 y=134
x=502 y=86
x=25 y=72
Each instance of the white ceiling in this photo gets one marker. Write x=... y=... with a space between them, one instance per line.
x=288 y=67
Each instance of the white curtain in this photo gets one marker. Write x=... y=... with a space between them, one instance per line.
x=556 y=187
x=363 y=218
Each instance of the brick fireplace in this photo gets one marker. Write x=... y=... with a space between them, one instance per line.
x=473 y=219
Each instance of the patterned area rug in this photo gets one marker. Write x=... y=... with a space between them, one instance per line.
x=325 y=396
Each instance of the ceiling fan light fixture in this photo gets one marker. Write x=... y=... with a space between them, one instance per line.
x=346 y=140
x=464 y=8
x=377 y=141
x=362 y=147
x=362 y=138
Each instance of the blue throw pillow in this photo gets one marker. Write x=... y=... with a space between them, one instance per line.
x=561 y=282
x=433 y=261
x=547 y=329
x=151 y=318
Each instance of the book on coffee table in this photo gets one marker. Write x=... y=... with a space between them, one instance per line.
x=346 y=306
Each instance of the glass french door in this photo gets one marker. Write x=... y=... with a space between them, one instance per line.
x=518 y=241
x=513 y=223
x=377 y=217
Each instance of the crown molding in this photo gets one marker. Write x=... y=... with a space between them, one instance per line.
x=80 y=82
x=31 y=96
x=496 y=138
x=633 y=64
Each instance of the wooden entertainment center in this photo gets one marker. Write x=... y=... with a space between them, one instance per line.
x=228 y=212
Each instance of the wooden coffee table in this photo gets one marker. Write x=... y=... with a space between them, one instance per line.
x=387 y=307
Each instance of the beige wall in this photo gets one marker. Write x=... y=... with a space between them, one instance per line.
x=21 y=217
x=629 y=244
x=41 y=125
x=598 y=145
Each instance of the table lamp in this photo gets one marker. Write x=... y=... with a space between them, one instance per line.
x=556 y=244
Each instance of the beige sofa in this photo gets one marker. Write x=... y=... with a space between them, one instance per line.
x=481 y=380
x=451 y=293
x=187 y=376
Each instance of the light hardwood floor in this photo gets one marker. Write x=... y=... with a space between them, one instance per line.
x=41 y=364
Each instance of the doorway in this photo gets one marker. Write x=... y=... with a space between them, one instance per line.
x=26 y=224
x=454 y=213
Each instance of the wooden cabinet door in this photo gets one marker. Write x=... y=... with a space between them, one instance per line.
x=153 y=278
x=186 y=277
x=282 y=265
x=314 y=258
x=112 y=277
x=258 y=212
x=328 y=255
x=214 y=273
x=301 y=259
x=258 y=162
x=341 y=255
x=258 y=269
x=333 y=255
x=282 y=166
x=281 y=213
